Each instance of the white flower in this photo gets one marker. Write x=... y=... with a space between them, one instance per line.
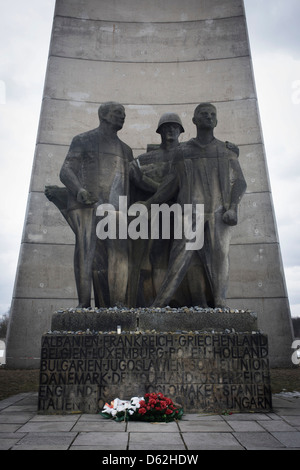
x=136 y=401
x=121 y=406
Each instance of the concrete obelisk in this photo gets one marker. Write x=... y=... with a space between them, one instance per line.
x=153 y=57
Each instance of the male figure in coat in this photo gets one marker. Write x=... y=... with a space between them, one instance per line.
x=95 y=171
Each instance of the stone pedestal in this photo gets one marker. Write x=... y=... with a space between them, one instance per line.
x=203 y=371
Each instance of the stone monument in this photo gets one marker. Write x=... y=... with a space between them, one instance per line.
x=153 y=58
x=195 y=359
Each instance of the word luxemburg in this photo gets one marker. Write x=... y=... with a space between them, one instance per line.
x=186 y=222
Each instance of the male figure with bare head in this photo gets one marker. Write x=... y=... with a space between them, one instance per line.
x=96 y=171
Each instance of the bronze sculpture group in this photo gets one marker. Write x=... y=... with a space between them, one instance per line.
x=99 y=168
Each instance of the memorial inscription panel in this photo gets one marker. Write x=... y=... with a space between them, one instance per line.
x=200 y=371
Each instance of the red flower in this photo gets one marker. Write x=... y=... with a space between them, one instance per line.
x=142 y=411
x=169 y=412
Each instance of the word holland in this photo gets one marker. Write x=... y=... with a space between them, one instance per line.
x=187 y=222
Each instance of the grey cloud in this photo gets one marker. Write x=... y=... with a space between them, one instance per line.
x=275 y=24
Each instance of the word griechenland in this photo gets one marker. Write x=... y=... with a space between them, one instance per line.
x=164 y=222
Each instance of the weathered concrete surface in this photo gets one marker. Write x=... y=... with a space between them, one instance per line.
x=98 y=50
x=150 y=42
x=145 y=11
x=228 y=74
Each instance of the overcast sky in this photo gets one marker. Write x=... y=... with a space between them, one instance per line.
x=275 y=44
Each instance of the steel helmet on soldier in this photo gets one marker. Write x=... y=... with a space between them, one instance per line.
x=169 y=118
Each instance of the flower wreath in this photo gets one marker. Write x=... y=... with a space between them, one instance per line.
x=151 y=407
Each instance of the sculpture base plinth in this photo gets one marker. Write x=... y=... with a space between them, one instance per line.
x=159 y=319
x=201 y=371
